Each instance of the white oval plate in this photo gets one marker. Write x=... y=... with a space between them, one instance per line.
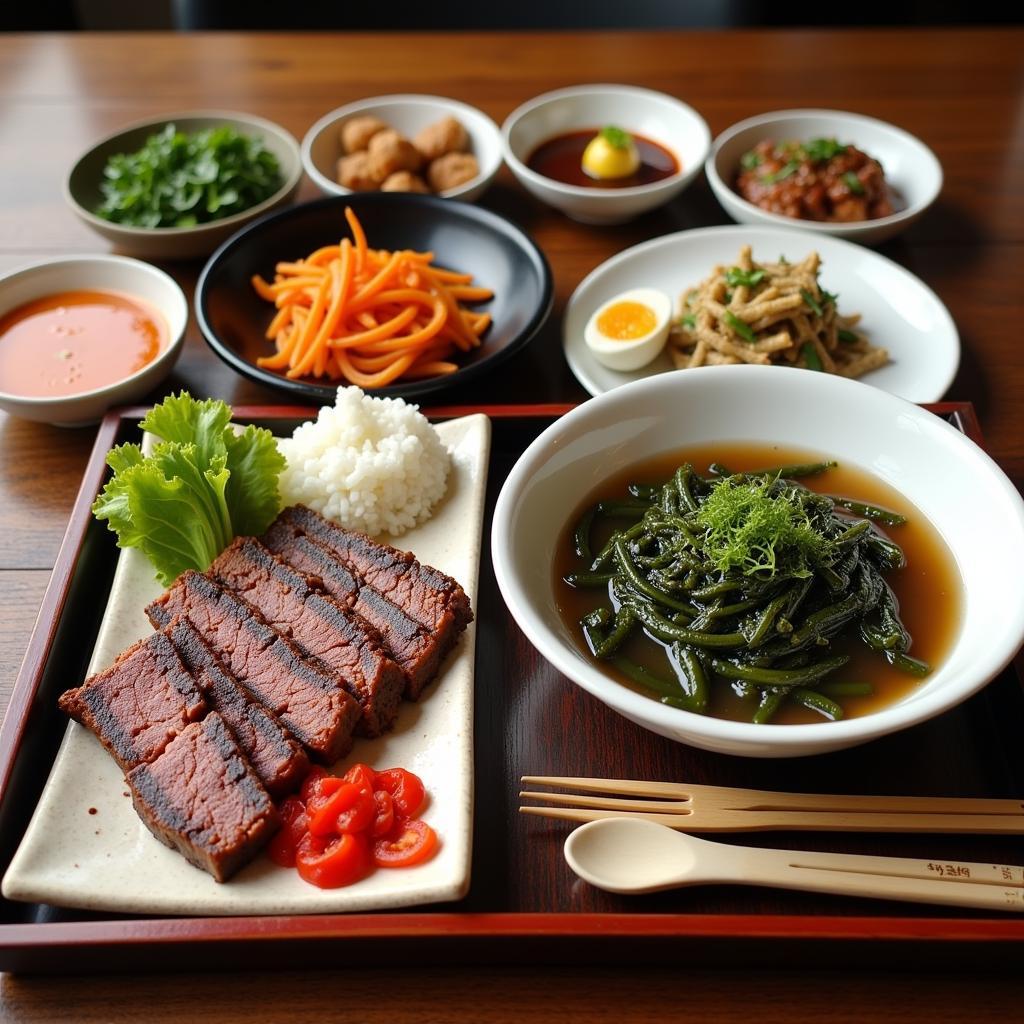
x=899 y=311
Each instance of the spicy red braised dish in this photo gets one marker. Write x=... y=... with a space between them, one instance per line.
x=820 y=180
x=340 y=827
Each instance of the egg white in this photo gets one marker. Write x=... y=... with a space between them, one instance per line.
x=637 y=352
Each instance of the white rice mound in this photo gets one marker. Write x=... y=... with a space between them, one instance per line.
x=371 y=464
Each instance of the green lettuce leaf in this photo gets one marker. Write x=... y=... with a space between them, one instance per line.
x=203 y=485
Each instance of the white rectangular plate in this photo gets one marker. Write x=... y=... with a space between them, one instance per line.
x=86 y=847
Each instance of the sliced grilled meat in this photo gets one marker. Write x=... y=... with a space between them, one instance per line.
x=202 y=798
x=425 y=594
x=319 y=713
x=140 y=703
x=416 y=651
x=275 y=755
x=318 y=625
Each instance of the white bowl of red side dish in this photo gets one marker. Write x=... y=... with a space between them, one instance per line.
x=81 y=334
x=912 y=174
x=975 y=514
x=676 y=136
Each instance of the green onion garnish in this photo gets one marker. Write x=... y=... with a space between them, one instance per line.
x=811 y=301
x=740 y=327
x=853 y=183
x=751 y=278
x=822 y=149
x=784 y=172
x=827 y=296
x=615 y=137
x=845 y=336
x=689 y=321
x=750 y=160
x=811 y=357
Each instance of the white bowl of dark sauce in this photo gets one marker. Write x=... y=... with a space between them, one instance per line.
x=544 y=140
x=81 y=334
x=965 y=526
x=787 y=190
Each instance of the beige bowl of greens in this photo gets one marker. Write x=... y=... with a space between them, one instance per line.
x=178 y=186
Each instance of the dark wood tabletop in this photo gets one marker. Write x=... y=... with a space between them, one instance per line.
x=961 y=91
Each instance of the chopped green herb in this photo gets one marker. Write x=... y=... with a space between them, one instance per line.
x=751 y=160
x=180 y=180
x=822 y=149
x=783 y=261
x=616 y=137
x=845 y=336
x=735 y=277
x=740 y=327
x=784 y=172
x=827 y=296
x=853 y=183
x=811 y=357
x=689 y=321
x=811 y=301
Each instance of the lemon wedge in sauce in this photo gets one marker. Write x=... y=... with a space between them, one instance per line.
x=611 y=154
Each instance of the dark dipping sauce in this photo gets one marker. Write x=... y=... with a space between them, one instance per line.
x=928 y=588
x=561 y=159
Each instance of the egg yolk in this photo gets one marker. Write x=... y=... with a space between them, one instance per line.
x=627 y=321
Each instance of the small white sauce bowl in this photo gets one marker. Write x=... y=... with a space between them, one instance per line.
x=654 y=115
x=912 y=170
x=946 y=477
x=407 y=114
x=100 y=273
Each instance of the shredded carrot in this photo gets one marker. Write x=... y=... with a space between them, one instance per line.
x=369 y=316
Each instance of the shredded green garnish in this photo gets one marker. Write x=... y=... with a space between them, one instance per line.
x=735 y=276
x=853 y=183
x=761 y=528
x=818 y=150
x=751 y=160
x=848 y=337
x=616 y=137
x=827 y=296
x=740 y=327
x=811 y=357
x=689 y=321
x=811 y=301
x=780 y=175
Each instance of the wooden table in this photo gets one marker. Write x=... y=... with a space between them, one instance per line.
x=962 y=92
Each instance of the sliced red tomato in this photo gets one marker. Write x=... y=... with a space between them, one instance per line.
x=333 y=863
x=362 y=775
x=405 y=789
x=384 y=819
x=411 y=843
x=294 y=826
x=340 y=806
x=311 y=783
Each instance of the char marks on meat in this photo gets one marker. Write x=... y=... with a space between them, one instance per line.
x=140 y=703
x=276 y=756
x=308 y=701
x=201 y=797
x=415 y=649
x=426 y=595
x=318 y=625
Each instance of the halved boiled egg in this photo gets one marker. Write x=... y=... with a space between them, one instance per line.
x=629 y=331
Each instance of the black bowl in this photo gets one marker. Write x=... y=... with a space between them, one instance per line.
x=499 y=255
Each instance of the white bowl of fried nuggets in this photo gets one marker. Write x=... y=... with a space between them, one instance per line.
x=404 y=143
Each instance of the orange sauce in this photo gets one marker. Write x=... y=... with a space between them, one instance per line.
x=76 y=341
x=928 y=588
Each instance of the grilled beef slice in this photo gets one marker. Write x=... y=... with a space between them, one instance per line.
x=318 y=625
x=428 y=596
x=319 y=713
x=275 y=755
x=202 y=798
x=416 y=651
x=138 y=704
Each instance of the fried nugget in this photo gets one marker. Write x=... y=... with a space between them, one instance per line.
x=356 y=172
x=452 y=170
x=356 y=132
x=404 y=181
x=444 y=136
x=390 y=152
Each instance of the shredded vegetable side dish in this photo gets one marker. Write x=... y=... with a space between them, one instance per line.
x=370 y=316
x=770 y=313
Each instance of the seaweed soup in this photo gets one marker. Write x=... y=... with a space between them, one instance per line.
x=928 y=588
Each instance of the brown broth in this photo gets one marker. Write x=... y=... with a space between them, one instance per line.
x=76 y=341
x=561 y=159
x=928 y=588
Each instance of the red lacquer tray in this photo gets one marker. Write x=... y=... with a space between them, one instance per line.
x=524 y=904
